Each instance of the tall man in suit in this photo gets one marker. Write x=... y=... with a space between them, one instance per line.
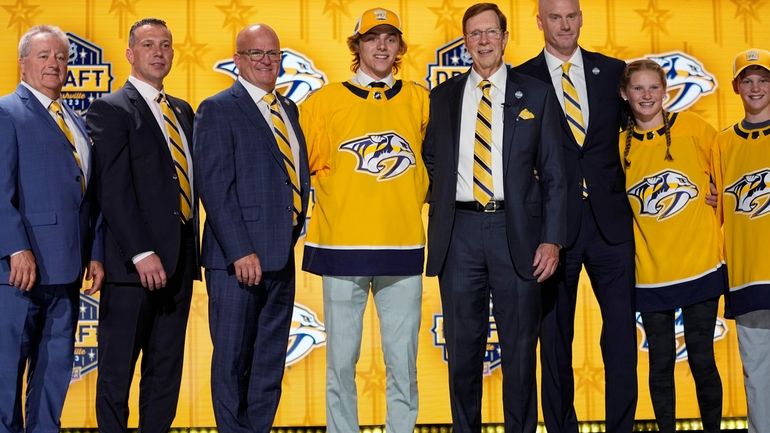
x=142 y=141
x=497 y=217
x=599 y=233
x=47 y=234
x=254 y=183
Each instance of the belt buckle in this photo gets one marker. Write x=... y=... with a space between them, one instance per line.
x=490 y=207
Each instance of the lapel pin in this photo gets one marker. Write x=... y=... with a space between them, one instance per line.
x=595 y=71
x=518 y=94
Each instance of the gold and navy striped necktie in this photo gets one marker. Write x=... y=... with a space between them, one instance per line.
x=176 y=147
x=56 y=109
x=574 y=114
x=281 y=134
x=483 y=189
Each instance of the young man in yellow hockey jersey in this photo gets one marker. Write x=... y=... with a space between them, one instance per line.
x=743 y=179
x=364 y=140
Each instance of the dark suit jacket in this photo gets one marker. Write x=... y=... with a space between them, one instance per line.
x=137 y=185
x=42 y=207
x=534 y=205
x=597 y=161
x=243 y=182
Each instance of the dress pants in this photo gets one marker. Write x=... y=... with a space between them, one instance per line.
x=611 y=271
x=699 y=321
x=754 y=346
x=250 y=332
x=37 y=332
x=133 y=319
x=478 y=264
x=398 y=301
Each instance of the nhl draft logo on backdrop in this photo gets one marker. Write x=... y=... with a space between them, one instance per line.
x=686 y=79
x=720 y=331
x=492 y=354
x=86 y=350
x=451 y=59
x=297 y=78
x=88 y=76
x=663 y=194
x=306 y=334
x=384 y=154
x=751 y=193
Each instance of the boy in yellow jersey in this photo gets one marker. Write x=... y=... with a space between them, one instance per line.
x=364 y=141
x=743 y=179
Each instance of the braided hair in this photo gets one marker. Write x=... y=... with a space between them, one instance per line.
x=625 y=80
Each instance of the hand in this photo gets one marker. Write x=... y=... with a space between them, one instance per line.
x=23 y=270
x=248 y=270
x=712 y=198
x=546 y=261
x=151 y=272
x=95 y=272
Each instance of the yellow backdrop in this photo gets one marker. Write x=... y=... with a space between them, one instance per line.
x=704 y=33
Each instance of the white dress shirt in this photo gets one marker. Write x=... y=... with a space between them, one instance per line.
x=364 y=80
x=577 y=74
x=256 y=95
x=470 y=107
x=150 y=94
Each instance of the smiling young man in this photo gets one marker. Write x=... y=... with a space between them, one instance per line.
x=742 y=178
x=142 y=141
x=366 y=234
x=496 y=219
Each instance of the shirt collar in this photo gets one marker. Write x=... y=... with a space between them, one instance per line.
x=497 y=78
x=145 y=89
x=364 y=80
x=255 y=92
x=554 y=63
x=45 y=100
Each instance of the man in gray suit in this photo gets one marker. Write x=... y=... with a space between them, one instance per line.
x=253 y=180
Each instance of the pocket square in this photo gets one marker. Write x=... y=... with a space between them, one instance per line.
x=526 y=114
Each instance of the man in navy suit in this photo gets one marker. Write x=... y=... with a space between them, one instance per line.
x=496 y=219
x=47 y=231
x=142 y=142
x=599 y=233
x=252 y=175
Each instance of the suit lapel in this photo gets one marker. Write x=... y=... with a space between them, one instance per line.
x=514 y=101
x=34 y=105
x=456 y=94
x=593 y=81
x=149 y=119
x=254 y=116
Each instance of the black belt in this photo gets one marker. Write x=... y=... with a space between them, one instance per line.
x=492 y=206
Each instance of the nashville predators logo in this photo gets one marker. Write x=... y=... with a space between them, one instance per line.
x=686 y=79
x=720 y=332
x=384 y=154
x=306 y=334
x=751 y=193
x=663 y=194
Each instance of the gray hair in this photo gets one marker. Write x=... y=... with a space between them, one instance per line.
x=26 y=40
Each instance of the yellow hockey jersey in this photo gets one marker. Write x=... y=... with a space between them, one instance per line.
x=365 y=151
x=743 y=180
x=676 y=234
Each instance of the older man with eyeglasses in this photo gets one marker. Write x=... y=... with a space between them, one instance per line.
x=253 y=181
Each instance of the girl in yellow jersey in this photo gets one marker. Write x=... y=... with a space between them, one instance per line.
x=667 y=160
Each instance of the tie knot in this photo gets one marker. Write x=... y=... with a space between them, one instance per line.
x=486 y=86
x=270 y=99
x=55 y=107
x=566 y=67
x=161 y=98
x=377 y=84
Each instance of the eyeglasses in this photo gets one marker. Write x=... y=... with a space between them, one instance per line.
x=257 y=55
x=492 y=34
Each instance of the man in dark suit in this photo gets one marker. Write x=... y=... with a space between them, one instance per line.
x=47 y=231
x=254 y=183
x=599 y=233
x=142 y=141
x=496 y=219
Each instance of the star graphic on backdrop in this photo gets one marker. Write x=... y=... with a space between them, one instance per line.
x=612 y=49
x=447 y=16
x=373 y=379
x=21 y=14
x=412 y=60
x=122 y=7
x=746 y=8
x=653 y=17
x=589 y=378
x=235 y=14
x=337 y=7
x=190 y=53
